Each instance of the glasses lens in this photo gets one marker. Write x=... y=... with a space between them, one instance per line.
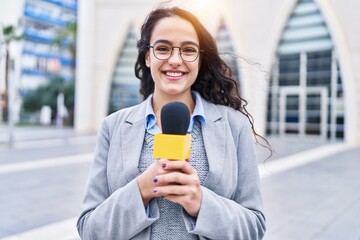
x=162 y=51
x=189 y=52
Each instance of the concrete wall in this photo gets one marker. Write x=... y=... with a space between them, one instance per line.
x=255 y=27
x=343 y=22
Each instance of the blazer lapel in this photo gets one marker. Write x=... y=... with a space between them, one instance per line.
x=132 y=134
x=132 y=137
x=214 y=136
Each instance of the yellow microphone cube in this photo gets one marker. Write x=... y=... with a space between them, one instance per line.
x=172 y=147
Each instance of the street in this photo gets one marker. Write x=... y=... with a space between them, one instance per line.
x=310 y=189
x=42 y=179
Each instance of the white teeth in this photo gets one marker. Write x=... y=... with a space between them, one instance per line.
x=174 y=74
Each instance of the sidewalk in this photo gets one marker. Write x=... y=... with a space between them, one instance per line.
x=310 y=190
x=317 y=200
x=42 y=180
x=33 y=133
x=35 y=136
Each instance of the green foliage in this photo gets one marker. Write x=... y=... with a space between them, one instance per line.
x=67 y=34
x=69 y=94
x=10 y=34
x=47 y=95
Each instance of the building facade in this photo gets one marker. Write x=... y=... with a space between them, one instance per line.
x=39 y=57
x=297 y=61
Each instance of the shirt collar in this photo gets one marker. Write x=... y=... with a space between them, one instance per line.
x=198 y=111
x=150 y=118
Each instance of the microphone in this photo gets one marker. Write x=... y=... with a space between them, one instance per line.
x=174 y=143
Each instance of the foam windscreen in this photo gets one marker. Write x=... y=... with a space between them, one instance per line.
x=175 y=118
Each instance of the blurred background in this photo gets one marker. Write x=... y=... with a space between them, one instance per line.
x=66 y=64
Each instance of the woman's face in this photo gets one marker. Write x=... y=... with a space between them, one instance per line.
x=173 y=77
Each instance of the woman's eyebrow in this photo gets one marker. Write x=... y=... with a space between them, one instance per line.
x=171 y=43
x=162 y=41
x=190 y=42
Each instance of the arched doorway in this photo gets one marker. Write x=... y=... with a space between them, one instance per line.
x=124 y=90
x=306 y=94
x=226 y=49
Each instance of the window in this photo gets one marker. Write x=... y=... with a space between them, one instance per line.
x=124 y=90
x=226 y=50
x=306 y=96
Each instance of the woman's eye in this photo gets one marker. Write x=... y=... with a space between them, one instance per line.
x=163 y=49
x=188 y=50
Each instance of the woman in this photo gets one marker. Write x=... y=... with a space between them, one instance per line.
x=213 y=195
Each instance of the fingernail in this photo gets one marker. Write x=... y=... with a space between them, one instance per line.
x=164 y=165
x=155 y=180
x=155 y=190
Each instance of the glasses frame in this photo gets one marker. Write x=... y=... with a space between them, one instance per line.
x=172 y=51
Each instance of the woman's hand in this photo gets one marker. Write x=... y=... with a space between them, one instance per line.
x=179 y=182
x=146 y=181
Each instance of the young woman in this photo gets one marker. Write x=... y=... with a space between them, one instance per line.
x=213 y=195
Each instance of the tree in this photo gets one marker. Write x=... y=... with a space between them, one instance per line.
x=67 y=37
x=46 y=94
x=9 y=35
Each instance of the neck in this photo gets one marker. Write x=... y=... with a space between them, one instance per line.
x=159 y=102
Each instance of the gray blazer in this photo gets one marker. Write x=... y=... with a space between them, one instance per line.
x=231 y=206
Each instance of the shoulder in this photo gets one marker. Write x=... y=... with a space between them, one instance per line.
x=126 y=115
x=217 y=112
x=232 y=115
x=122 y=113
x=234 y=119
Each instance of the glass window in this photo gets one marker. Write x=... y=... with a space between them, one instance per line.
x=226 y=50
x=306 y=93
x=124 y=90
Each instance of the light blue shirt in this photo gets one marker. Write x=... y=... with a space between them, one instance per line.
x=150 y=118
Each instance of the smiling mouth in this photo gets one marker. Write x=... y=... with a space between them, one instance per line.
x=174 y=74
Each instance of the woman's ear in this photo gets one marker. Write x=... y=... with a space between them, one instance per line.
x=147 y=59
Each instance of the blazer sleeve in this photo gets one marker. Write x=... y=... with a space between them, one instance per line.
x=240 y=217
x=117 y=215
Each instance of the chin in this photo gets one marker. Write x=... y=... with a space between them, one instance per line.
x=174 y=92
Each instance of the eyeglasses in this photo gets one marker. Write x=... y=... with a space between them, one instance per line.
x=189 y=52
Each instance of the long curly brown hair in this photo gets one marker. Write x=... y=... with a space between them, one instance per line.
x=214 y=81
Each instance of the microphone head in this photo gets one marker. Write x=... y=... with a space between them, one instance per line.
x=175 y=118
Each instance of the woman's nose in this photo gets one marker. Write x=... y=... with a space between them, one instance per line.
x=175 y=58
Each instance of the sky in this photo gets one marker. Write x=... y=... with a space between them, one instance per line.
x=10 y=11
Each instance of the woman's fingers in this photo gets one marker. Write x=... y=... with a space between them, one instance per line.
x=177 y=178
x=189 y=197
x=182 y=166
x=146 y=181
x=180 y=184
